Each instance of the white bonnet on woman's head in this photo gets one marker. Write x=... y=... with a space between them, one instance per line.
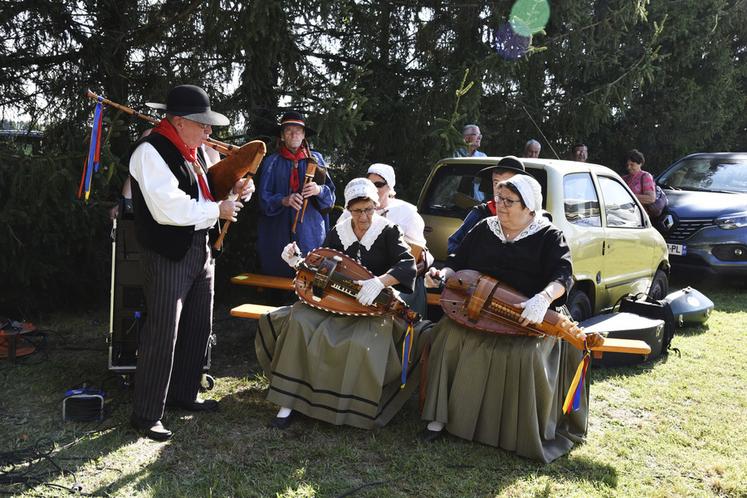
x=529 y=189
x=361 y=188
x=386 y=172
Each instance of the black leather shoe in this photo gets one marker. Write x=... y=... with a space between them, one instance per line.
x=428 y=436
x=150 y=429
x=281 y=423
x=198 y=405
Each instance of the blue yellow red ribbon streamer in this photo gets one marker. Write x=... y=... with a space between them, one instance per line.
x=406 y=352
x=573 y=398
x=94 y=152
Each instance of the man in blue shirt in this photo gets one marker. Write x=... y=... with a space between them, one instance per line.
x=472 y=138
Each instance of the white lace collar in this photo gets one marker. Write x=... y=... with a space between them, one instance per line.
x=537 y=223
x=347 y=235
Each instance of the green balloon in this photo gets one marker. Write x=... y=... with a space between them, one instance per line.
x=529 y=16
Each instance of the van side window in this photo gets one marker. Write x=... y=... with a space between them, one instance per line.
x=581 y=200
x=620 y=207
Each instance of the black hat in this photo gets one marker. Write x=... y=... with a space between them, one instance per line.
x=294 y=118
x=509 y=162
x=191 y=102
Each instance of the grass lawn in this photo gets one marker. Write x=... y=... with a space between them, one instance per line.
x=674 y=427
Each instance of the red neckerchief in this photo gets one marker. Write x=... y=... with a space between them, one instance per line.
x=491 y=207
x=285 y=153
x=166 y=129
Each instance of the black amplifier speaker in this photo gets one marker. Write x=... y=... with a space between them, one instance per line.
x=128 y=312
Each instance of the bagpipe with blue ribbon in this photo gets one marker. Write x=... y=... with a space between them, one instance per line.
x=93 y=160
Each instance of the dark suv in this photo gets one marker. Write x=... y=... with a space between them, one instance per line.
x=705 y=225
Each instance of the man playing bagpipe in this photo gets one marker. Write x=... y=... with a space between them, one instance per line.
x=174 y=211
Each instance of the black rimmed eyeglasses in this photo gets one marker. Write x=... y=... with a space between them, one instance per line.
x=358 y=212
x=506 y=201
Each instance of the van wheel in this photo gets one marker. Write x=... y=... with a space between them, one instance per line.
x=578 y=305
x=659 y=286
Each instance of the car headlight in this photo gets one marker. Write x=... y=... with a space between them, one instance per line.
x=737 y=220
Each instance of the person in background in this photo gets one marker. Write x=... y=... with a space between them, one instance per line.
x=532 y=149
x=503 y=170
x=640 y=182
x=579 y=152
x=282 y=192
x=508 y=390
x=472 y=140
x=174 y=214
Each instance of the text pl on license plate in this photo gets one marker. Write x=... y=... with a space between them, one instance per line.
x=677 y=249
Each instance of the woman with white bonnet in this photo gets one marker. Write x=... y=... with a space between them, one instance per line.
x=406 y=217
x=505 y=390
x=345 y=369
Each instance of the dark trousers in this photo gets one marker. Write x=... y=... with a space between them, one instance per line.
x=173 y=340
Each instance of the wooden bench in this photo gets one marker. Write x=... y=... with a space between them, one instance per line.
x=284 y=283
x=263 y=281
x=253 y=311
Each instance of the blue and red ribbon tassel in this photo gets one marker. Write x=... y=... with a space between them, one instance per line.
x=93 y=161
x=406 y=352
x=573 y=398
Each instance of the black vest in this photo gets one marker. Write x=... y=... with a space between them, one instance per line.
x=169 y=241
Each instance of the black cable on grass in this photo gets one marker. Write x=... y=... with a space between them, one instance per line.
x=34 y=457
x=65 y=341
x=351 y=492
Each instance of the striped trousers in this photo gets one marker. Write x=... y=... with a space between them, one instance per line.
x=173 y=340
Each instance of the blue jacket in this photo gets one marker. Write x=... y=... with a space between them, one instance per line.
x=276 y=220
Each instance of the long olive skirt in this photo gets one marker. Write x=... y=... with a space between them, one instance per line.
x=505 y=391
x=340 y=369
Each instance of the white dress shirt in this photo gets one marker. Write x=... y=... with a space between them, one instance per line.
x=167 y=203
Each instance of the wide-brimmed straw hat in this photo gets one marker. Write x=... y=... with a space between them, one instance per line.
x=191 y=102
x=294 y=118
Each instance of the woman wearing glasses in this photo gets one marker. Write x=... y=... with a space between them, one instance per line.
x=406 y=217
x=507 y=391
x=341 y=369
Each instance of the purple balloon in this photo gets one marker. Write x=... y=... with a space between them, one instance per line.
x=509 y=44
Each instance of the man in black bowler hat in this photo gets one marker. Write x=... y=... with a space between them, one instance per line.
x=174 y=213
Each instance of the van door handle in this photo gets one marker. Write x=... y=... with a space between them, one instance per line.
x=427 y=229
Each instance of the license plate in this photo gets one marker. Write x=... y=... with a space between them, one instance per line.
x=677 y=249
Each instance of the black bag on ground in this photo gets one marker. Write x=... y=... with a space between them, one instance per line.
x=643 y=305
x=626 y=326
